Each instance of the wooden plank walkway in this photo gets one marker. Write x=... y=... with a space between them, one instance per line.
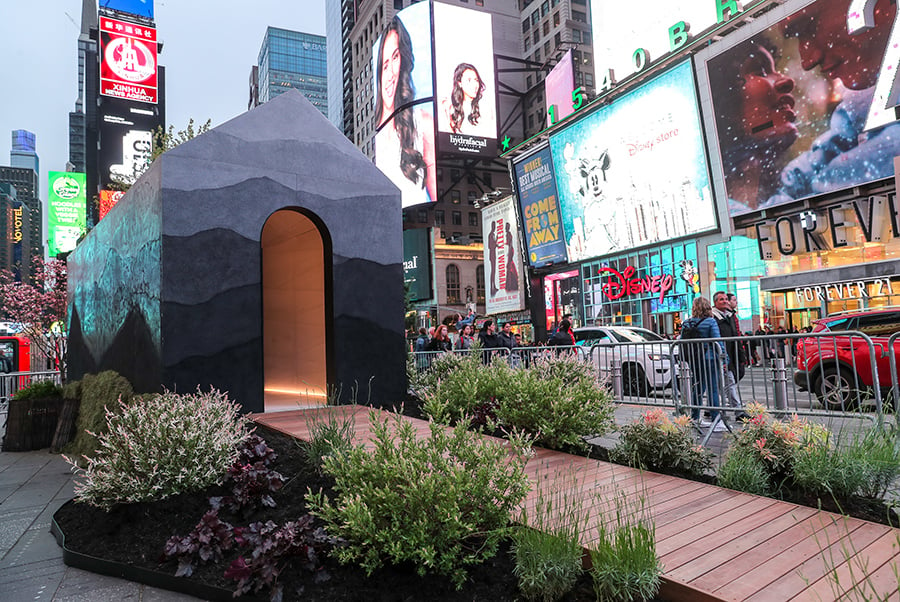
x=714 y=543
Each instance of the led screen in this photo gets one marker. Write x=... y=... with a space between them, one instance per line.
x=503 y=271
x=67 y=203
x=417 y=262
x=141 y=8
x=404 y=104
x=108 y=200
x=128 y=64
x=126 y=139
x=792 y=103
x=464 y=81
x=558 y=87
x=541 y=217
x=634 y=172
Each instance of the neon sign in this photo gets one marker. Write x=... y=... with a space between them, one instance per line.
x=620 y=284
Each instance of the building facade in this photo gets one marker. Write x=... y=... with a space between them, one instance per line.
x=291 y=59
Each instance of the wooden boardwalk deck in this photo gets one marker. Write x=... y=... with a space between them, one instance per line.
x=714 y=543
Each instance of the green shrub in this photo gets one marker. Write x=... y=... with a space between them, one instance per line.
x=330 y=433
x=744 y=471
x=878 y=451
x=441 y=502
x=41 y=389
x=556 y=399
x=655 y=442
x=624 y=562
x=98 y=393
x=546 y=544
x=160 y=446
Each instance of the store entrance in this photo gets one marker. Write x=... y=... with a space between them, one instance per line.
x=665 y=324
x=802 y=318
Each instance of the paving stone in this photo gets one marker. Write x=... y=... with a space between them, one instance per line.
x=83 y=586
x=36 y=544
x=36 y=582
x=14 y=524
x=153 y=594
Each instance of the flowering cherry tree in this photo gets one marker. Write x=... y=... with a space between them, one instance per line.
x=40 y=307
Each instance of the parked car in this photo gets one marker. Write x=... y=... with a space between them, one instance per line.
x=646 y=363
x=838 y=368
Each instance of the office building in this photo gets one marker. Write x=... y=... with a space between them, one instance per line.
x=290 y=59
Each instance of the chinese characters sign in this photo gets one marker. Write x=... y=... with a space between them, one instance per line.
x=128 y=68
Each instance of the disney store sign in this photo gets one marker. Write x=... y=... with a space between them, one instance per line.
x=624 y=283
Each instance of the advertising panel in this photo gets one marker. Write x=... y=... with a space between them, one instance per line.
x=108 y=200
x=464 y=81
x=792 y=103
x=126 y=139
x=67 y=203
x=558 y=87
x=128 y=64
x=503 y=272
x=538 y=198
x=404 y=104
x=417 y=263
x=141 y=8
x=634 y=173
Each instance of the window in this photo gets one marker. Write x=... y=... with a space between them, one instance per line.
x=587 y=58
x=479 y=2
x=470 y=197
x=527 y=79
x=455 y=196
x=525 y=25
x=579 y=16
x=454 y=175
x=589 y=80
x=555 y=18
x=438 y=217
x=537 y=36
x=546 y=27
x=452 y=274
x=488 y=178
x=547 y=48
x=473 y=219
x=479 y=283
x=531 y=122
x=537 y=55
x=398 y=4
x=457 y=218
x=423 y=216
x=545 y=8
x=557 y=39
x=535 y=17
x=586 y=37
x=527 y=43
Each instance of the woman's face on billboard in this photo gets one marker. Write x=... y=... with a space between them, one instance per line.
x=768 y=105
x=470 y=83
x=390 y=70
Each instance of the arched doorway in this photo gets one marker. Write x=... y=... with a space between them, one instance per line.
x=294 y=306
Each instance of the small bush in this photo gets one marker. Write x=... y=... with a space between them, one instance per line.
x=42 y=389
x=878 y=451
x=328 y=434
x=744 y=471
x=624 y=562
x=441 y=502
x=161 y=446
x=656 y=442
x=99 y=393
x=208 y=542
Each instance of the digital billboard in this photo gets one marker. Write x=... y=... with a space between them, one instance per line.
x=541 y=217
x=404 y=104
x=67 y=204
x=503 y=272
x=417 y=262
x=126 y=139
x=465 y=87
x=634 y=172
x=558 y=87
x=141 y=8
x=792 y=100
x=108 y=200
x=128 y=63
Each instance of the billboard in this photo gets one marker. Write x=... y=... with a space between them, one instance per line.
x=67 y=204
x=464 y=81
x=634 y=172
x=558 y=87
x=141 y=8
x=539 y=200
x=108 y=200
x=126 y=139
x=128 y=60
x=793 y=103
x=503 y=272
x=417 y=263
x=404 y=104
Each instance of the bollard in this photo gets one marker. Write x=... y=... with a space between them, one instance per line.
x=617 y=381
x=779 y=379
x=684 y=384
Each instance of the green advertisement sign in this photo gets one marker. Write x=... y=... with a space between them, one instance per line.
x=66 y=217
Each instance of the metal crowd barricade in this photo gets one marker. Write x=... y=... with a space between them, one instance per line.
x=518 y=357
x=423 y=360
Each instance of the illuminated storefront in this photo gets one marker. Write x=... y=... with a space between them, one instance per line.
x=734 y=266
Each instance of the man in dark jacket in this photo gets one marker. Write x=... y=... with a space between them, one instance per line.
x=726 y=317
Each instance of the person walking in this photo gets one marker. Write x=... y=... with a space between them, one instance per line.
x=703 y=358
x=563 y=336
x=724 y=313
x=466 y=338
x=441 y=340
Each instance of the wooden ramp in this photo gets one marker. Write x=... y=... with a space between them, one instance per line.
x=714 y=543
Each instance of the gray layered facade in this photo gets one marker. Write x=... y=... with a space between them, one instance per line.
x=167 y=288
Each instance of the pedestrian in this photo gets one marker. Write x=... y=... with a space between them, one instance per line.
x=465 y=338
x=563 y=336
x=506 y=336
x=724 y=313
x=488 y=339
x=703 y=358
x=422 y=341
x=441 y=340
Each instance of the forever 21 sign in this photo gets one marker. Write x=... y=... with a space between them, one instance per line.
x=833 y=227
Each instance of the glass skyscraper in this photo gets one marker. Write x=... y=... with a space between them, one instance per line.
x=292 y=59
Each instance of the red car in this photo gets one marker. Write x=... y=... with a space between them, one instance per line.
x=838 y=368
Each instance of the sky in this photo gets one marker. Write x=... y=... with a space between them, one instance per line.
x=209 y=48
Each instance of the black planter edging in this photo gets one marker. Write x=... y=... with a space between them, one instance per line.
x=101 y=566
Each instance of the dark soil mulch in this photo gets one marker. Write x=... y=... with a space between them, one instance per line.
x=136 y=534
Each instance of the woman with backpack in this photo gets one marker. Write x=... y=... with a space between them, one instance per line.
x=702 y=358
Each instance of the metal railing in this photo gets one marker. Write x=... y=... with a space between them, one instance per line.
x=518 y=357
x=13 y=381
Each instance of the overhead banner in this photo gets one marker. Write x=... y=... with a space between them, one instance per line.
x=541 y=217
x=503 y=271
x=417 y=262
x=67 y=205
x=634 y=173
x=128 y=64
x=464 y=81
x=802 y=106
